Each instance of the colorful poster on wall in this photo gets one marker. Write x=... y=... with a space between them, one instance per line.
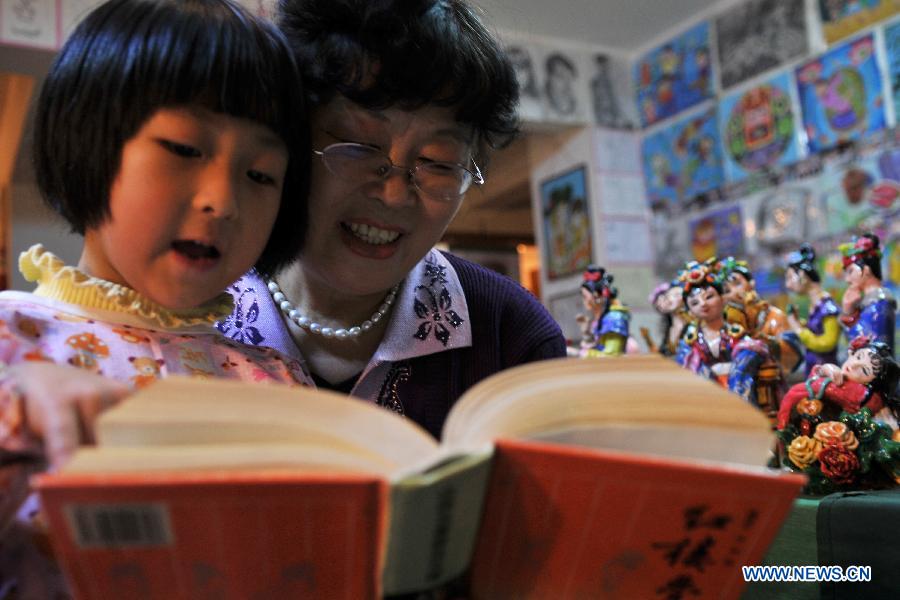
x=567 y=223
x=863 y=195
x=675 y=76
x=718 y=233
x=683 y=161
x=841 y=18
x=757 y=36
x=758 y=129
x=892 y=44
x=841 y=95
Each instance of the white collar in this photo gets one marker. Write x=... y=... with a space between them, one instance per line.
x=430 y=313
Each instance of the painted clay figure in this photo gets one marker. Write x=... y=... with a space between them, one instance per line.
x=826 y=426
x=762 y=320
x=605 y=329
x=868 y=378
x=712 y=347
x=819 y=335
x=667 y=300
x=867 y=307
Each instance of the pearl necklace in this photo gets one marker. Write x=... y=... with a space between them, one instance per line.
x=311 y=326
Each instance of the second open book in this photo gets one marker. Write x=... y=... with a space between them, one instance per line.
x=626 y=477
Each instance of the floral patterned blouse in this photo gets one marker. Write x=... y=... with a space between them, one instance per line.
x=92 y=324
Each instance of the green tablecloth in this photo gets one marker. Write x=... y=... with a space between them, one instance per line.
x=795 y=545
x=853 y=528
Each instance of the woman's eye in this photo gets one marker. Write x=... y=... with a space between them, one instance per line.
x=344 y=140
x=260 y=177
x=180 y=149
x=438 y=167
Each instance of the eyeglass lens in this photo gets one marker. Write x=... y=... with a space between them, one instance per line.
x=442 y=180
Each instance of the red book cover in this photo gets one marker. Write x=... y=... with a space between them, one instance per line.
x=225 y=535
x=569 y=522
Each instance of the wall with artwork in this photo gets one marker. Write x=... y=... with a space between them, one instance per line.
x=762 y=125
x=566 y=83
x=588 y=207
x=796 y=142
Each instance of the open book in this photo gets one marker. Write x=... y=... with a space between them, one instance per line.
x=626 y=477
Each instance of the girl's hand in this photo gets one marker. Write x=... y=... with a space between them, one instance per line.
x=61 y=404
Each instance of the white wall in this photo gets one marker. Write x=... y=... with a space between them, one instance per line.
x=33 y=223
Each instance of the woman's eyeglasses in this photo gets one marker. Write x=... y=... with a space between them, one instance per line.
x=439 y=180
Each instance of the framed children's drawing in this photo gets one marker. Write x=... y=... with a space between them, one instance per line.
x=567 y=223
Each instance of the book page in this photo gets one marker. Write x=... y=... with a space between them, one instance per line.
x=182 y=411
x=599 y=398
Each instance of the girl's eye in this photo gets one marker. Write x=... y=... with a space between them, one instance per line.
x=180 y=149
x=260 y=177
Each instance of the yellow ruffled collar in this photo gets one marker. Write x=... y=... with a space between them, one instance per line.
x=57 y=281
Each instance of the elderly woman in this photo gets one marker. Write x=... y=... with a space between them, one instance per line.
x=407 y=99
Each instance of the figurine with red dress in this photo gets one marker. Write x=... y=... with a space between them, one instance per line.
x=839 y=427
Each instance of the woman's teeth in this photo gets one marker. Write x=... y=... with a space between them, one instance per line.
x=373 y=235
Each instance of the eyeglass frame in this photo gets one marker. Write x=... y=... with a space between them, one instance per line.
x=477 y=177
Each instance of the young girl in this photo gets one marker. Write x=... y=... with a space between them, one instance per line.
x=166 y=134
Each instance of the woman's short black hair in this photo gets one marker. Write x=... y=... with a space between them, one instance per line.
x=129 y=58
x=405 y=53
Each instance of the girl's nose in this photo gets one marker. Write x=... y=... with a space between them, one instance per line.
x=217 y=193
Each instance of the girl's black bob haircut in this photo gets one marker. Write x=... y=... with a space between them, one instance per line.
x=129 y=58
x=406 y=54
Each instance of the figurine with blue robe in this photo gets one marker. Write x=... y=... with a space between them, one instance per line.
x=606 y=330
x=822 y=330
x=867 y=307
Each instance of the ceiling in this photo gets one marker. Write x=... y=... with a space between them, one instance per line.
x=626 y=25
